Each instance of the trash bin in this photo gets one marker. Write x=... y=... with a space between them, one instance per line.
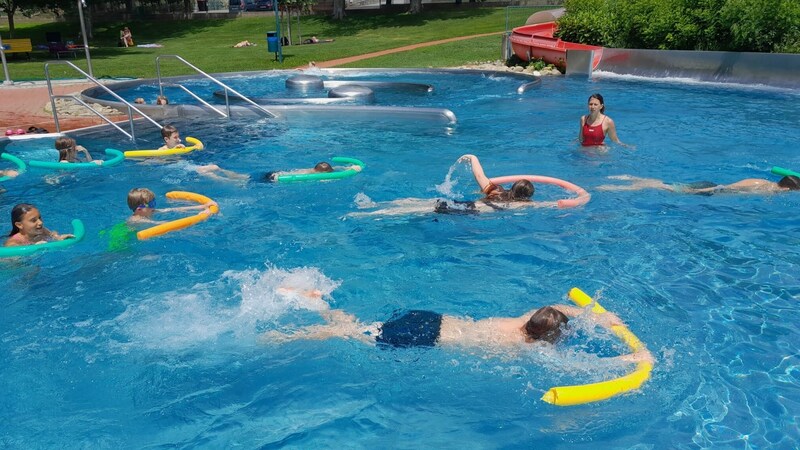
x=202 y=5
x=272 y=41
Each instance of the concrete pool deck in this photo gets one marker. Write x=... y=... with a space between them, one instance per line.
x=24 y=105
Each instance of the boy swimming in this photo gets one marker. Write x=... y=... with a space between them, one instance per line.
x=142 y=202
x=172 y=138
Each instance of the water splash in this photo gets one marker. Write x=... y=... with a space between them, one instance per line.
x=180 y=320
x=447 y=187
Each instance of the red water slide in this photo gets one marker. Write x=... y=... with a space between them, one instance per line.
x=537 y=42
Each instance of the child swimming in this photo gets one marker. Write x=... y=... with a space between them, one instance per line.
x=320 y=167
x=27 y=228
x=172 y=138
x=142 y=202
x=68 y=151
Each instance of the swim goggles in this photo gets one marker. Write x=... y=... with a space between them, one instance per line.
x=151 y=204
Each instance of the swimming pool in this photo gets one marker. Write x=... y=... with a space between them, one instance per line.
x=156 y=343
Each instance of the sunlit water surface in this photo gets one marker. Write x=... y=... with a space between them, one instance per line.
x=119 y=344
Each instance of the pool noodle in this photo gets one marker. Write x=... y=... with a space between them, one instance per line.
x=582 y=198
x=784 y=172
x=180 y=224
x=325 y=175
x=23 y=250
x=587 y=393
x=9 y=157
x=116 y=158
x=196 y=145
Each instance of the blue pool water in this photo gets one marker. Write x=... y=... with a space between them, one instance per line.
x=156 y=344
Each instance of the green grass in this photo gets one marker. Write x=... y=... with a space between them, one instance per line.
x=207 y=43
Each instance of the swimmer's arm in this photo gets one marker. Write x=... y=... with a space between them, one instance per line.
x=9 y=173
x=612 y=134
x=53 y=235
x=205 y=206
x=580 y=129
x=641 y=355
x=477 y=171
x=82 y=149
x=354 y=167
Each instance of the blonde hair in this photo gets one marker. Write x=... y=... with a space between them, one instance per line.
x=139 y=197
x=66 y=149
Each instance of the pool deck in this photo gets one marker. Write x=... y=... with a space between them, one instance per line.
x=24 y=103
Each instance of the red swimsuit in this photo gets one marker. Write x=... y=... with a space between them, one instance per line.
x=593 y=134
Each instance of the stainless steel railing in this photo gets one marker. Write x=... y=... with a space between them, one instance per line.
x=131 y=108
x=227 y=88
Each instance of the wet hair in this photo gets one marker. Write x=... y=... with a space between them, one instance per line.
x=139 y=197
x=66 y=149
x=790 y=182
x=270 y=177
x=522 y=190
x=600 y=99
x=162 y=98
x=17 y=212
x=168 y=130
x=545 y=324
x=323 y=167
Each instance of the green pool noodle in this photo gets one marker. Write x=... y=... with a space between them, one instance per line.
x=784 y=172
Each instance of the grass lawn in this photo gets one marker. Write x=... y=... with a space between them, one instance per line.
x=207 y=43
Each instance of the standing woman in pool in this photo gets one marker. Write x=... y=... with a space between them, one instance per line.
x=595 y=126
x=28 y=228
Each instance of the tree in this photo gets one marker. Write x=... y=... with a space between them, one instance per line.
x=415 y=7
x=25 y=7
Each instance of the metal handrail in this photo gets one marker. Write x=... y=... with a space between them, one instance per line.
x=131 y=108
x=197 y=97
x=219 y=83
x=98 y=113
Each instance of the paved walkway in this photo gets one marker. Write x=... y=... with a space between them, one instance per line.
x=348 y=60
x=23 y=104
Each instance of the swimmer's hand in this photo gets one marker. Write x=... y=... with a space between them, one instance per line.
x=310 y=293
x=275 y=337
x=640 y=356
x=207 y=207
x=607 y=319
x=99 y=162
x=61 y=237
x=9 y=173
x=355 y=167
x=466 y=157
x=207 y=168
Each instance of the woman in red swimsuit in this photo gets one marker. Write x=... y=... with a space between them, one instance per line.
x=595 y=126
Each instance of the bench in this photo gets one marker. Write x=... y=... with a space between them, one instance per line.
x=18 y=46
x=59 y=49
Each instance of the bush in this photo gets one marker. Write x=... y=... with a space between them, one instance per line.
x=740 y=25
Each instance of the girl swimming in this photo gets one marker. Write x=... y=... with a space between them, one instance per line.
x=68 y=151
x=27 y=227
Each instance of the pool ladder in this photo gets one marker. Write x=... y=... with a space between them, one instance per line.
x=131 y=108
x=227 y=113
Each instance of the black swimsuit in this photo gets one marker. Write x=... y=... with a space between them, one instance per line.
x=415 y=328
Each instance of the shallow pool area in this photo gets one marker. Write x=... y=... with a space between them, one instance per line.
x=119 y=343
